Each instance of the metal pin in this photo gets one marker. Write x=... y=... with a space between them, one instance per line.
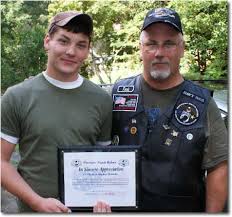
x=174 y=133
x=166 y=127
x=133 y=121
x=168 y=142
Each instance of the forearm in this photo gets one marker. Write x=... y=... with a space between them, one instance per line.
x=15 y=184
x=217 y=188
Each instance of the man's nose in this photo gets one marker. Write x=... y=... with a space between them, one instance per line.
x=160 y=51
x=71 y=50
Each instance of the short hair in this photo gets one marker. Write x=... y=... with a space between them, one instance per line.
x=72 y=26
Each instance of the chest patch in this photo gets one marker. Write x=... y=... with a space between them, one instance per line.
x=186 y=113
x=123 y=89
x=125 y=102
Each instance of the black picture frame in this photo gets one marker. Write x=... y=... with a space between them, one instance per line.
x=86 y=149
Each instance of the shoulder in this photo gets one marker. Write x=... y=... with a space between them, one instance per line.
x=95 y=89
x=127 y=81
x=23 y=88
x=197 y=87
x=199 y=92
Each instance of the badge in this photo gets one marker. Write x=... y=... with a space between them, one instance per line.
x=168 y=142
x=115 y=140
x=174 y=133
x=133 y=130
x=123 y=89
x=125 y=102
x=186 y=113
x=189 y=136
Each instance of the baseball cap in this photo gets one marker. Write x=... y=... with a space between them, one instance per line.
x=63 y=18
x=164 y=15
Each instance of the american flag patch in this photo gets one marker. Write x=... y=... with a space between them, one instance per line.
x=125 y=102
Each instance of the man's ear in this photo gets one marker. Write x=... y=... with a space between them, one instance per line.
x=46 y=42
x=182 y=49
x=140 y=52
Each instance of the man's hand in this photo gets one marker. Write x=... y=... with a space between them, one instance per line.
x=101 y=207
x=50 y=205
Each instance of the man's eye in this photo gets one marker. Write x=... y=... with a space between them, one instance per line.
x=82 y=46
x=169 y=44
x=63 y=41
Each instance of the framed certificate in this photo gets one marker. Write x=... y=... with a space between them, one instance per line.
x=88 y=174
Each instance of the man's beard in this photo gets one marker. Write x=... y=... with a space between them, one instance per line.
x=160 y=74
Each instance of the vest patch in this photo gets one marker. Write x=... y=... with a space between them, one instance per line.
x=125 y=102
x=125 y=89
x=186 y=113
x=191 y=95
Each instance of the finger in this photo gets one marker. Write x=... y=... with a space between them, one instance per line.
x=99 y=208
x=62 y=207
x=95 y=208
x=108 y=208
x=105 y=207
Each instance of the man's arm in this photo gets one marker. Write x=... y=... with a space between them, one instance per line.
x=217 y=187
x=13 y=182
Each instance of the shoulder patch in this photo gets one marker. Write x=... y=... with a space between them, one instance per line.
x=193 y=96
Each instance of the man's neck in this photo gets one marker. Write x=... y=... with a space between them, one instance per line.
x=168 y=83
x=62 y=76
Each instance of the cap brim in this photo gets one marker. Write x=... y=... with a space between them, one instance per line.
x=162 y=21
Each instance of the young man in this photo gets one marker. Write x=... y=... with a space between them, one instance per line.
x=176 y=123
x=58 y=107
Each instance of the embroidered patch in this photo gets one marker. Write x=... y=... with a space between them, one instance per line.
x=124 y=89
x=186 y=113
x=191 y=95
x=125 y=102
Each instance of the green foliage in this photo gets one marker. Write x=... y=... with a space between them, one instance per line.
x=115 y=47
x=205 y=25
x=22 y=40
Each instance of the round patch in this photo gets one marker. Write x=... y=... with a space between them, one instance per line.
x=189 y=136
x=133 y=130
x=186 y=113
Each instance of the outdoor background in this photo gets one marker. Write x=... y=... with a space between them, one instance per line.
x=115 y=52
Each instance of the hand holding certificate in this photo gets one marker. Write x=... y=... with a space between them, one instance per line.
x=92 y=174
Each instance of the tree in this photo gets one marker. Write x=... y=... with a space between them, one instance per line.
x=22 y=40
x=115 y=50
x=205 y=27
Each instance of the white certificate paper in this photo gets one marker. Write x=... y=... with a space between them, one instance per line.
x=99 y=176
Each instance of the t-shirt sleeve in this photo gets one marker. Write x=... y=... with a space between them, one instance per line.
x=216 y=148
x=105 y=135
x=10 y=124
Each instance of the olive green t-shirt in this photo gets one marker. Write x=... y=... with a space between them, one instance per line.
x=44 y=116
x=216 y=147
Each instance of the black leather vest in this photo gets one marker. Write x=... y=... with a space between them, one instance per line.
x=172 y=144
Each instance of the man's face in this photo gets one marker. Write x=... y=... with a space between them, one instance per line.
x=161 y=49
x=66 y=52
